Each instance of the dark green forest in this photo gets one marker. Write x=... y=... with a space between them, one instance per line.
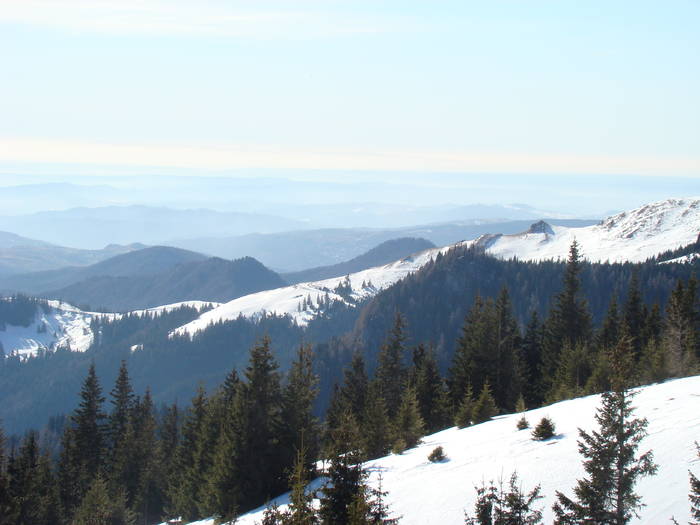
x=260 y=430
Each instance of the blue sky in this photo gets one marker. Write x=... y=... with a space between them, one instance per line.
x=543 y=87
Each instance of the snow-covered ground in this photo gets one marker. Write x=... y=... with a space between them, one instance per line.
x=65 y=326
x=632 y=236
x=629 y=236
x=300 y=301
x=426 y=493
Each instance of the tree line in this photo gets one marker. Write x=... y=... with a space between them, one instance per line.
x=257 y=434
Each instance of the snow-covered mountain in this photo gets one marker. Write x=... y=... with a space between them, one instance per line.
x=58 y=324
x=628 y=236
x=425 y=493
x=632 y=235
x=303 y=301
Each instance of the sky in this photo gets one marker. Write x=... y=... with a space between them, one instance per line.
x=553 y=88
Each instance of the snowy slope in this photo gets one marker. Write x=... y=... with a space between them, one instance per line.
x=291 y=300
x=426 y=493
x=628 y=236
x=64 y=325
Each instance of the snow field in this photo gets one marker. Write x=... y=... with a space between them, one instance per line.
x=426 y=493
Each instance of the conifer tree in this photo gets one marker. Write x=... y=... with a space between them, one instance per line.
x=301 y=509
x=679 y=337
x=497 y=505
x=429 y=388
x=569 y=320
x=83 y=452
x=99 y=507
x=148 y=498
x=408 y=424
x=300 y=428
x=572 y=373
x=533 y=390
x=465 y=412
x=485 y=406
x=634 y=316
x=694 y=495
x=184 y=491
x=473 y=359
x=391 y=373
x=376 y=429
x=610 y=461
x=506 y=375
x=169 y=438
x=333 y=417
x=355 y=386
x=4 y=483
x=122 y=401
x=345 y=475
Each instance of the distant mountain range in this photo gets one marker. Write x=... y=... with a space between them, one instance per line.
x=290 y=252
x=20 y=254
x=384 y=253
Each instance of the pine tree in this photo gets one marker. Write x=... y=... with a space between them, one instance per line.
x=533 y=391
x=694 y=495
x=183 y=494
x=122 y=400
x=391 y=373
x=148 y=497
x=345 y=475
x=607 y=494
x=485 y=406
x=634 y=316
x=300 y=427
x=506 y=376
x=99 y=507
x=569 y=321
x=473 y=360
x=496 y=505
x=355 y=385
x=82 y=453
x=408 y=424
x=679 y=337
x=301 y=510
x=376 y=429
x=4 y=482
x=465 y=412
x=169 y=438
x=430 y=389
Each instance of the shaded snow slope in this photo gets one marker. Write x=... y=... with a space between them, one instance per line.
x=632 y=236
x=301 y=301
x=62 y=325
x=439 y=493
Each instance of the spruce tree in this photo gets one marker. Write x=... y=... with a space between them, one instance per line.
x=497 y=505
x=300 y=427
x=99 y=507
x=122 y=401
x=83 y=444
x=355 y=386
x=610 y=461
x=183 y=493
x=4 y=483
x=391 y=373
x=301 y=509
x=634 y=316
x=569 y=321
x=430 y=389
x=533 y=390
x=506 y=375
x=485 y=406
x=694 y=495
x=345 y=476
x=465 y=411
x=149 y=493
x=376 y=429
x=408 y=423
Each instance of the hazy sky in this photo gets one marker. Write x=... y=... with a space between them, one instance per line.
x=502 y=86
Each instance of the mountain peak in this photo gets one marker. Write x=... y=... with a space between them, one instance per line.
x=540 y=227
